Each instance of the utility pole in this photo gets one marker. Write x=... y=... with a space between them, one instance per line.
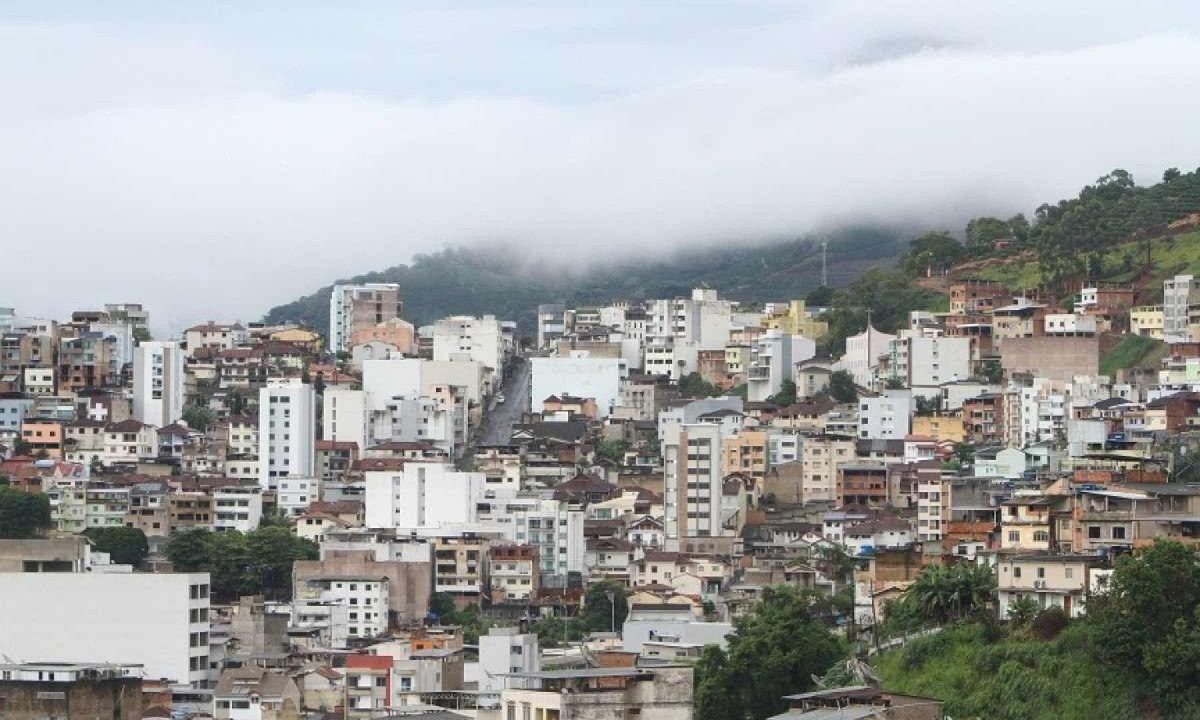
x=612 y=608
x=825 y=263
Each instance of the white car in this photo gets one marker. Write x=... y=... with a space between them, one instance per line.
x=499 y=399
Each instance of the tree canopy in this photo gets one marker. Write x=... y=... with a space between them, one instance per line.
x=773 y=651
x=124 y=545
x=259 y=562
x=22 y=515
x=842 y=388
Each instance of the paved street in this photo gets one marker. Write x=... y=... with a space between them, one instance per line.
x=497 y=424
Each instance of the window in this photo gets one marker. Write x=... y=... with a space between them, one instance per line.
x=1016 y=572
x=1118 y=532
x=1093 y=532
x=1041 y=573
x=1014 y=536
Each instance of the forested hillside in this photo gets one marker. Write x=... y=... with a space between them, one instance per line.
x=506 y=282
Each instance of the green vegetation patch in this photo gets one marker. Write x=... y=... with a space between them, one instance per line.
x=1132 y=351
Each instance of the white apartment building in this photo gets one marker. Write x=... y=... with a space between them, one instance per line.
x=555 y=529
x=368 y=303
x=886 y=417
x=158 y=383
x=503 y=651
x=462 y=337
x=1181 y=298
x=596 y=378
x=692 y=475
x=344 y=416
x=159 y=620
x=422 y=495
x=928 y=362
x=237 y=507
x=296 y=492
x=783 y=447
x=773 y=358
x=551 y=324
x=286 y=431
x=342 y=608
x=39 y=381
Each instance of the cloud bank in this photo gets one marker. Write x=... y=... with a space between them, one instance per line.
x=211 y=177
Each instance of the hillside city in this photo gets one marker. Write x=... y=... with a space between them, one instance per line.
x=676 y=508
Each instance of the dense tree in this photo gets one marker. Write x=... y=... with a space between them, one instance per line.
x=612 y=450
x=941 y=594
x=198 y=416
x=932 y=253
x=842 y=388
x=22 y=515
x=774 y=651
x=819 y=297
x=604 y=606
x=259 y=562
x=692 y=385
x=786 y=395
x=1150 y=604
x=125 y=546
x=982 y=232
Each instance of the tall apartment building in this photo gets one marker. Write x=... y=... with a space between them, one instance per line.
x=928 y=362
x=773 y=358
x=820 y=459
x=422 y=495
x=1181 y=303
x=692 y=482
x=504 y=651
x=886 y=417
x=551 y=324
x=158 y=383
x=159 y=620
x=354 y=307
x=286 y=431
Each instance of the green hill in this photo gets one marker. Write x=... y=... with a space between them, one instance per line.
x=1005 y=678
x=505 y=282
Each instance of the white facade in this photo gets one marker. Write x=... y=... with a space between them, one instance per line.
x=237 y=507
x=551 y=324
x=342 y=608
x=783 y=447
x=287 y=418
x=412 y=377
x=1180 y=294
x=344 y=416
x=597 y=378
x=296 y=493
x=503 y=651
x=886 y=417
x=773 y=357
x=159 y=620
x=422 y=495
x=1070 y=324
x=862 y=354
x=158 y=383
x=928 y=362
x=473 y=339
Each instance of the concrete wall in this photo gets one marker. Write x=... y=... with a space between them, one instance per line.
x=597 y=378
x=115 y=699
x=1057 y=358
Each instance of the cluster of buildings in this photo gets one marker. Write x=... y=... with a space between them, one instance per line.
x=442 y=464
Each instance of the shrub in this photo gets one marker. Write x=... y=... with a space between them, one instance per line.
x=1049 y=623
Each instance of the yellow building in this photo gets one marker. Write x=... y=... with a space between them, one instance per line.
x=942 y=428
x=736 y=358
x=307 y=340
x=1147 y=320
x=745 y=453
x=797 y=321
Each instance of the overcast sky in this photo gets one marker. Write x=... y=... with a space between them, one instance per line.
x=213 y=159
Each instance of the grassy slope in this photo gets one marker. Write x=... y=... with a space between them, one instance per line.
x=1011 y=679
x=1133 y=351
x=1169 y=256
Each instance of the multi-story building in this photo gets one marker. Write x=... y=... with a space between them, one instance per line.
x=1147 y=321
x=658 y=693
x=215 y=337
x=773 y=357
x=39 y=381
x=295 y=493
x=1181 y=305
x=89 y=360
x=237 y=507
x=821 y=457
x=129 y=442
x=191 y=510
x=422 y=495
x=286 y=432
x=1060 y=581
x=863 y=483
x=344 y=415
x=886 y=417
x=747 y=452
x=355 y=307
x=513 y=572
x=460 y=567
x=37 y=691
x=1025 y=523
x=692 y=482
x=933 y=509
x=928 y=362
x=463 y=337
x=862 y=355
x=340 y=608
x=368 y=686
x=158 y=383
x=971 y=297
x=504 y=651
x=158 y=620
x=551 y=324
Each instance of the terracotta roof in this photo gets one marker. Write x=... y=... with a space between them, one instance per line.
x=175 y=429
x=872 y=527
x=364 y=464
x=336 y=507
x=213 y=327
x=663 y=556
x=336 y=445
x=125 y=426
